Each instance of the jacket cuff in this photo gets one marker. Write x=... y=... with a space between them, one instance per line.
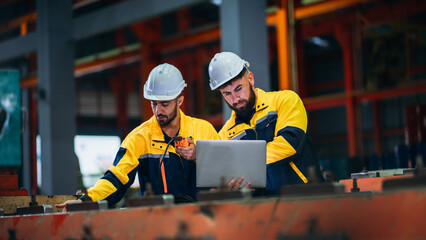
x=85 y=198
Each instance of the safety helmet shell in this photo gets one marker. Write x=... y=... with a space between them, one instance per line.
x=165 y=82
x=223 y=67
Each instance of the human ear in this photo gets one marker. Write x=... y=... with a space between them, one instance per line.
x=180 y=100
x=250 y=78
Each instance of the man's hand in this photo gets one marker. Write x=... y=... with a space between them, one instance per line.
x=187 y=152
x=64 y=205
x=234 y=185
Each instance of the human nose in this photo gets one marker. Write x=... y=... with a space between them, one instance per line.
x=235 y=98
x=158 y=109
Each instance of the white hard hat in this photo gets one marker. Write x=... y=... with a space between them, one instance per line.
x=165 y=82
x=223 y=67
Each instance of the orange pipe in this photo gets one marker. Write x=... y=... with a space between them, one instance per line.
x=96 y=66
x=24 y=29
x=17 y=22
x=324 y=7
x=107 y=63
x=190 y=40
x=29 y=82
x=377 y=128
x=344 y=37
x=282 y=47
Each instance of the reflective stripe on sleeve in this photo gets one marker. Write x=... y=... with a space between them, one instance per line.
x=298 y=172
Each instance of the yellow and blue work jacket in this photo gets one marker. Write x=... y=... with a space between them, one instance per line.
x=140 y=154
x=281 y=120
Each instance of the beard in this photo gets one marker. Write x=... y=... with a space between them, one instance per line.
x=245 y=113
x=167 y=119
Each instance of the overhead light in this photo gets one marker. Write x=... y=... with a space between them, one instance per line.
x=319 y=41
x=216 y=2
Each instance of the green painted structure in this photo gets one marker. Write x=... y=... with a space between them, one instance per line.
x=10 y=119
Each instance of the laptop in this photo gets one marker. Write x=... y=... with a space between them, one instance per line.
x=229 y=159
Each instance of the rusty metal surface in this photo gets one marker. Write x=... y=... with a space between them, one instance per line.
x=34 y=210
x=150 y=201
x=416 y=181
x=311 y=189
x=220 y=195
x=17 y=192
x=370 y=184
x=392 y=215
x=10 y=203
x=87 y=206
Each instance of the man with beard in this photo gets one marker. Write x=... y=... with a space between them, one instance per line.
x=150 y=150
x=279 y=118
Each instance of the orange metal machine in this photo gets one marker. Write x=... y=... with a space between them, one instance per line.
x=396 y=213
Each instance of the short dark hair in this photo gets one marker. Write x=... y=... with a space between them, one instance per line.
x=240 y=75
x=180 y=95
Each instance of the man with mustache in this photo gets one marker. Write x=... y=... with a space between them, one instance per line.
x=279 y=118
x=150 y=150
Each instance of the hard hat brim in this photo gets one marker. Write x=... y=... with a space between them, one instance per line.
x=159 y=98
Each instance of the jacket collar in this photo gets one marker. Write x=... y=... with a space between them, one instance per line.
x=261 y=100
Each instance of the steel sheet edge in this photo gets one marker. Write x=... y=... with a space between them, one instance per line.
x=390 y=215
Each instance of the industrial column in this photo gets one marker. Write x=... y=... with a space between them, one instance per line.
x=56 y=91
x=243 y=32
x=344 y=36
